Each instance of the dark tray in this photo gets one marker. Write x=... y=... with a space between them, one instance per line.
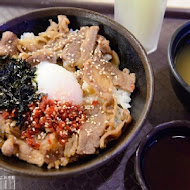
x=119 y=172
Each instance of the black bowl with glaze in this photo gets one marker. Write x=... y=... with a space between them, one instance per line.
x=132 y=55
x=177 y=127
x=180 y=38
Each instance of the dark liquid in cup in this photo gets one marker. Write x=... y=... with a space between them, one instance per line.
x=166 y=164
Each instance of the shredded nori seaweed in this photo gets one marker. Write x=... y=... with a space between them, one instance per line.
x=17 y=86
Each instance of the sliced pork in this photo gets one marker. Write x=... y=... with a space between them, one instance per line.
x=8 y=44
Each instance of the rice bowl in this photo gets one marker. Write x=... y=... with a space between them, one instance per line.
x=117 y=91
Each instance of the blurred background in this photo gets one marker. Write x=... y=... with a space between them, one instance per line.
x=181 y=7
x=183 y=4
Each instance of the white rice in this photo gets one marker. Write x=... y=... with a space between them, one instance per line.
x=123 y=97
x=27 y=35
x=107 y=57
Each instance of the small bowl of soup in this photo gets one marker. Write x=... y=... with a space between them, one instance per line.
x=163 y=157
x=179 y=63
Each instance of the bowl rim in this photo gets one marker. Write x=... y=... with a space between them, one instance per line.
x=170 y=59
x=148 y=102
x=141 y=146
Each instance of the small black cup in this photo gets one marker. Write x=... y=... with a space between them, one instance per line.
x=177 y=127
x=180 y=38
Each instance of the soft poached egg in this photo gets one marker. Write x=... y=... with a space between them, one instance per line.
x=58 y=83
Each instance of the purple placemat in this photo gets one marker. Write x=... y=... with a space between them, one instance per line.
x=119 y=172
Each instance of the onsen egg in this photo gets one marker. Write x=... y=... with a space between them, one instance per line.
x=58 y=83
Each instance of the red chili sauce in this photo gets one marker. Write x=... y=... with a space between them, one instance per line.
x=166 y=164
x=62 y=118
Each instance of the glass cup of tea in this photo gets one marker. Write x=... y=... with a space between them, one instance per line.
x=143 y=18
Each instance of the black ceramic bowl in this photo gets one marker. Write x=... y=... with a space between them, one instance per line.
x=172 y=128
x=132 y=55
x=180 y=38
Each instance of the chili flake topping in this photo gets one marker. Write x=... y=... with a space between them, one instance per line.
x=52 y=115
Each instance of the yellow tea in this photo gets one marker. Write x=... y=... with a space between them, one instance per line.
x=182 y=63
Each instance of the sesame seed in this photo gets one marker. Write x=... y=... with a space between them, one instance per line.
x=39 y=137
x=42 y=133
